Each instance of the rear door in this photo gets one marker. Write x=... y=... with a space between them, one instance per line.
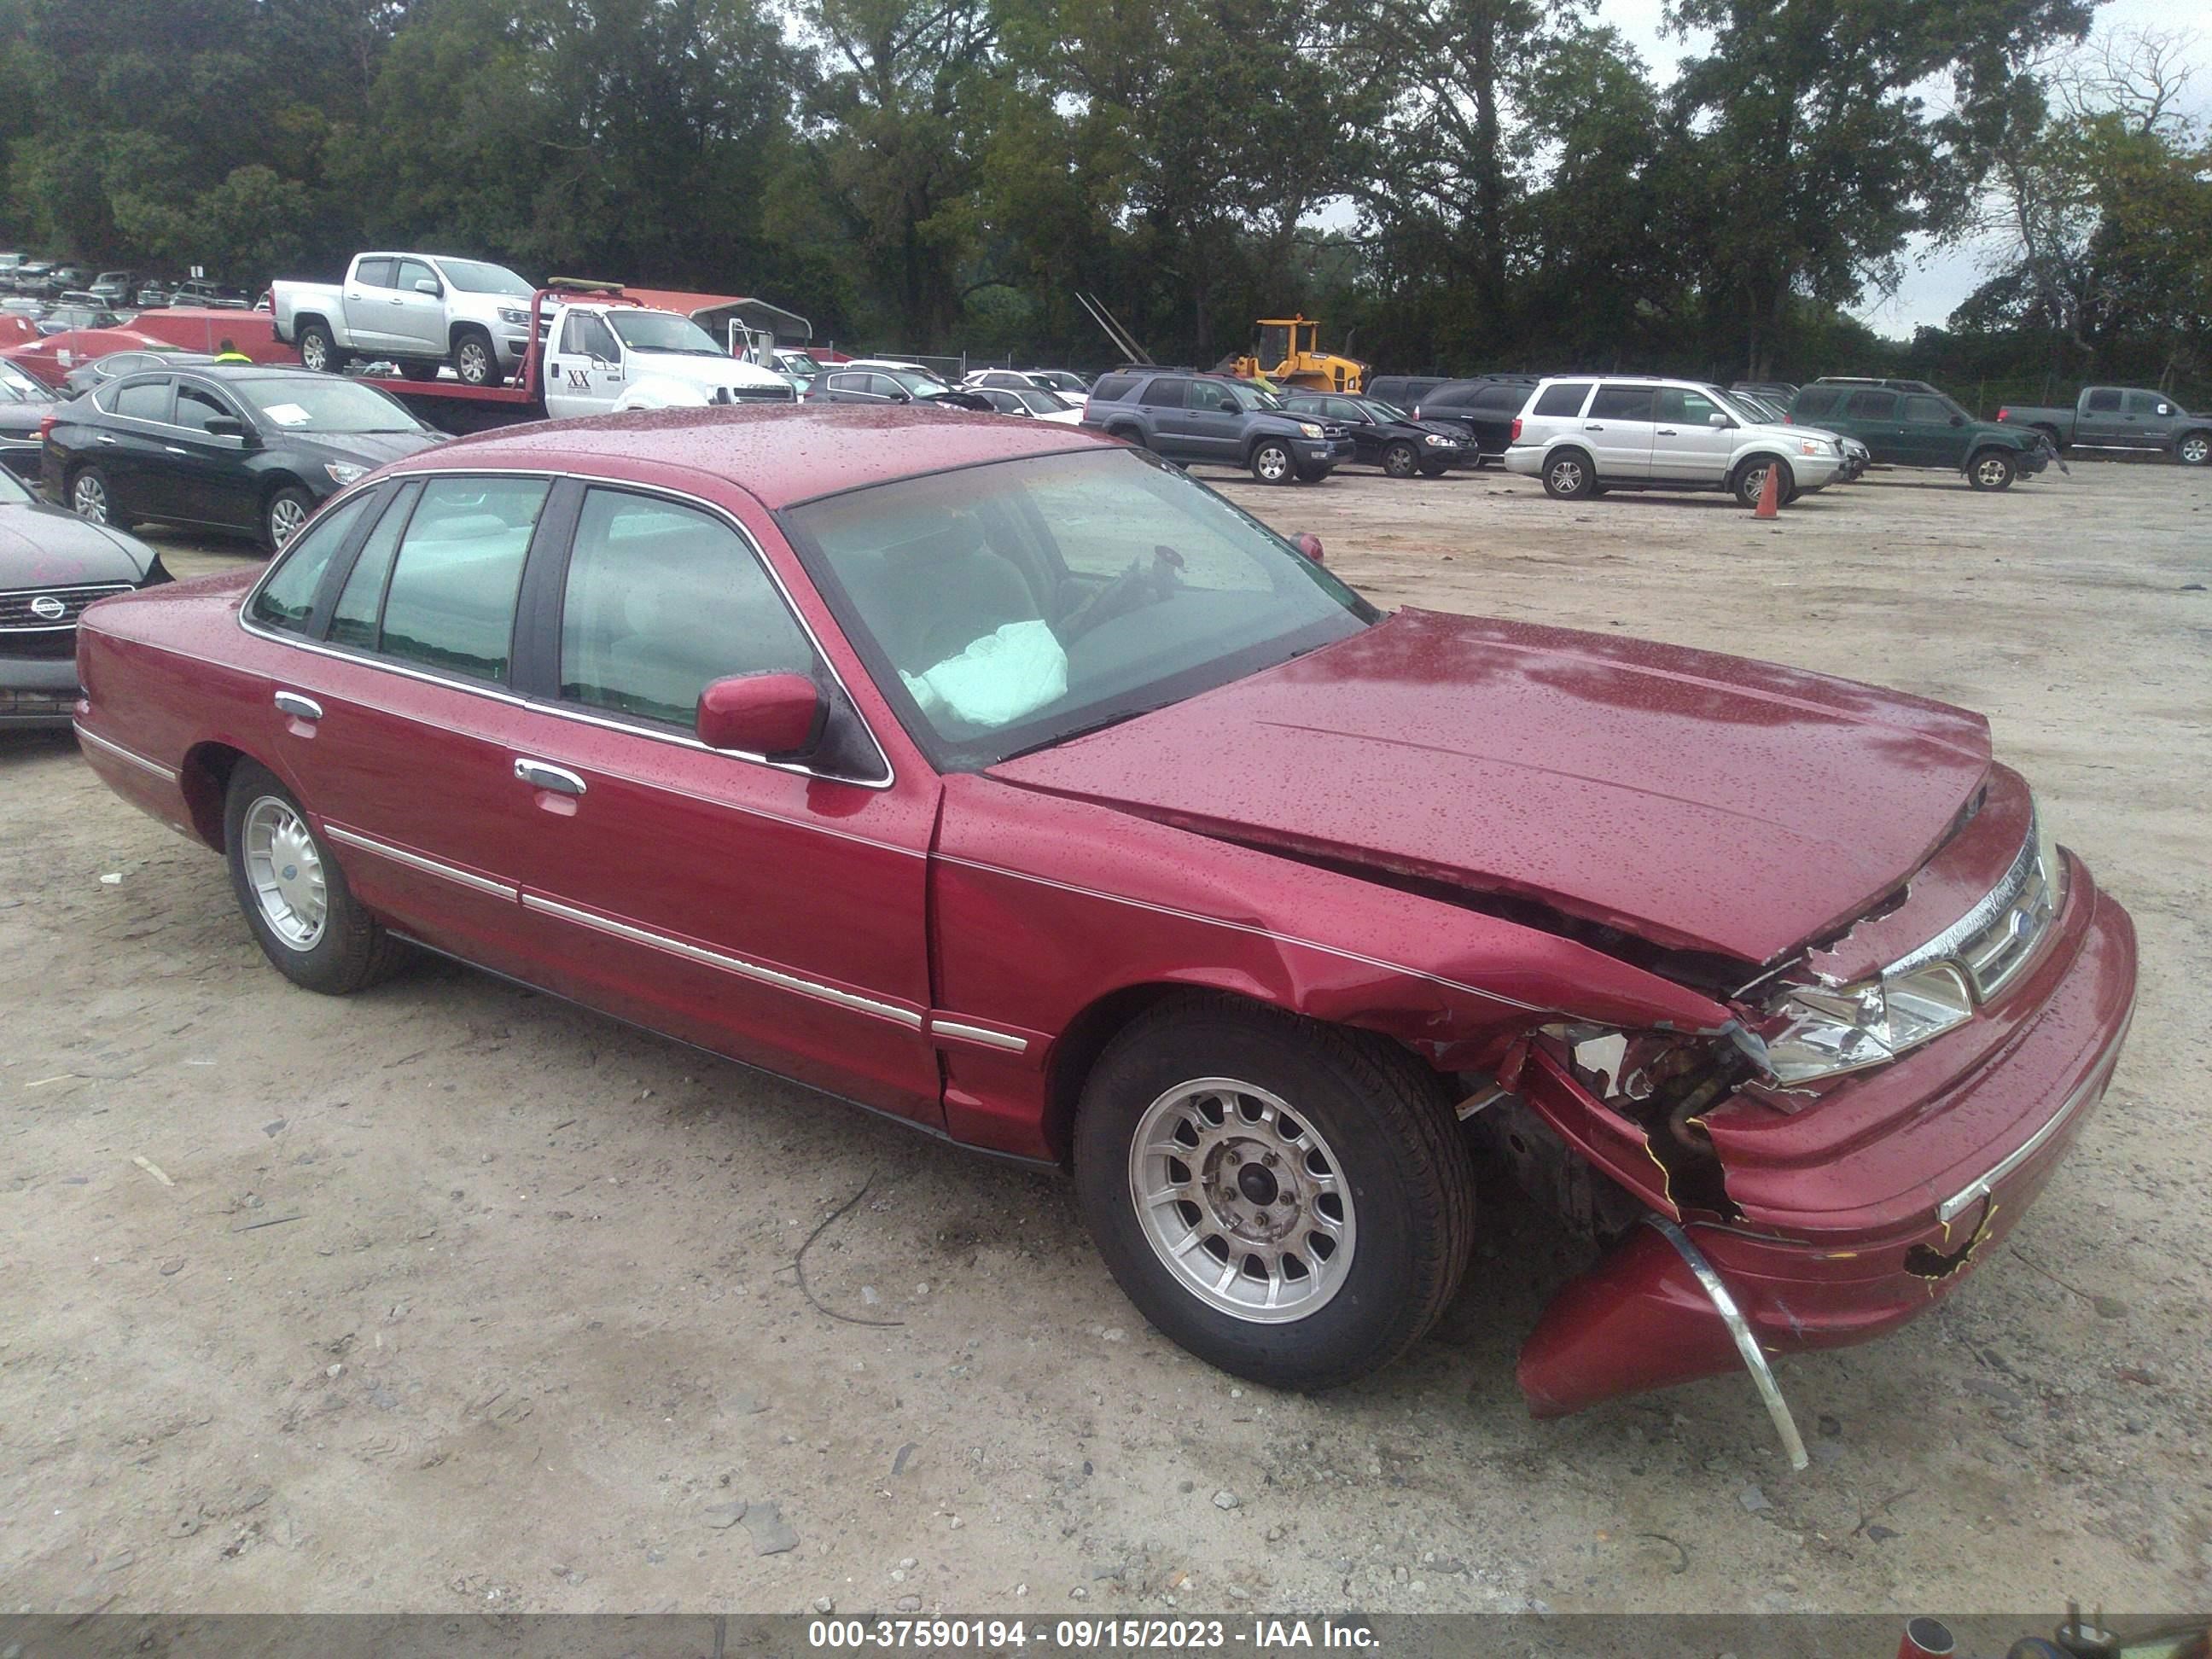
x=128 y=441
x=772 y=912
x=1489 y=414
x=1618 y=427
x=1166 y=399
x=1871 y=415
x=1687 y=447
x=370 y=320
x=2100 y=423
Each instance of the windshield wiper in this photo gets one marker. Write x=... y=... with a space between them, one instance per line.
x=1070 y=736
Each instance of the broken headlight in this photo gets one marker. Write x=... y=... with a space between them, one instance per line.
x=1828 y=1032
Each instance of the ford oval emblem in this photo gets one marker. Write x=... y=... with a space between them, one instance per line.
x=48 y=606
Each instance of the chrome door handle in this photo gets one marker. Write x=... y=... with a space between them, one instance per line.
x=1667 y=432
x=176 y=449
x=291 y=703
x=539 y=775
x=1593 y=427
x=105 y=439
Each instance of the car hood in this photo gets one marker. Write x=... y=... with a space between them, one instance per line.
x=701 y=370
x=1696 y=800
x=371 y=449
x=43 y=546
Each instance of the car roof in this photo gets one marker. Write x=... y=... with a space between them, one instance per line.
x=782 y=453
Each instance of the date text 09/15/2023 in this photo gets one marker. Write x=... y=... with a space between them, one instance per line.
x=1255 y=1636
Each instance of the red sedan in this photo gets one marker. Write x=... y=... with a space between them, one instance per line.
x=994 y=776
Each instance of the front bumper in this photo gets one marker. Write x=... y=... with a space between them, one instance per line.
x=37 y=691
x=1903 y=1219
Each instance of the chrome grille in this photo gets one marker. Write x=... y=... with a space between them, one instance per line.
x=21 y=612
x=1997 y=938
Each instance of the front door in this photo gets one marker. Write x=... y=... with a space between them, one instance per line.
x=1926 y=432
x=774 y=913
x=1619 y=431
x=1367 y=434
x=2147 y=420
x=1686 y=446
x=1213 y=424
x=211 y=482
x=418 y=317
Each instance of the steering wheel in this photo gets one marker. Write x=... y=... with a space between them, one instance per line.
x=1132 y=590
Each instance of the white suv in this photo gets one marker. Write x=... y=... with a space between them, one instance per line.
x=1585 y=435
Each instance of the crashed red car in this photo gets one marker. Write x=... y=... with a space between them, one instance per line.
x=998 y=778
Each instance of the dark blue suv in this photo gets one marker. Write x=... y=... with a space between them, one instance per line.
x=1191 y=418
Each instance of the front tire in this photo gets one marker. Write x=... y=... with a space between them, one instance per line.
x=1991 y=468
x=297 y=904
x=474 y=359
x=1290 y=1202
x=1751 y=481
x=283 y=515
x=2194 y=449
x=1401 y=460
x=1272 y=463
x=1569 y=476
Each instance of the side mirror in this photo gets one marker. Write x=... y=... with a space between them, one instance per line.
x=1308 y=543
x=427 y=285
x=902 y=397
x=221 y=426
x=777 y=715
x=1957 y=420
x=1718 y=421
x=2166 y=409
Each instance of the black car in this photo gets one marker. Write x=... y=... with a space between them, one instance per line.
x=1384 y=435
x=97 y=372
x=53 y=564
x=1403 y=391
x=1483 y=409
x=241 y=447
x=25 y=402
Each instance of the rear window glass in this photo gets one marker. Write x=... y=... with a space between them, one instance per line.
x=1112 y=388
x=1565 y=399
x=1501 y=397
x=1622 y=403
x=451 y=601
x=147 y=400
x=1813 y=401
x=2104 y=399
x=1872 y=405
x=287 y=599
x=1166 y=394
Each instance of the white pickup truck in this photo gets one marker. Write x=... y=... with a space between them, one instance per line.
x=418 y=310
x=602 y=355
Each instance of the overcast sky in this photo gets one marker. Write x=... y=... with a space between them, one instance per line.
x=1936 y=279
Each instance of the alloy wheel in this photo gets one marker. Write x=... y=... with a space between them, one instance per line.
x=88 y=497
x=313 y=353
x=2196 y=449
x=1992 y=472
x=1242 y=1200
x=284 y=867
x=1566 y=477
x=286 y=514
x=473 y=363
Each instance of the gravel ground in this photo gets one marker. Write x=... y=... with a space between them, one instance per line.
x=452 y=1297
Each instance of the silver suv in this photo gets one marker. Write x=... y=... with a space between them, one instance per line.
x=1585 y=435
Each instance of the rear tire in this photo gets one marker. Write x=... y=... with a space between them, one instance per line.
x=1327 y=1190
x=1991 y=468
x=1570 y=475
x=297 y=904
x=91 y=496
x=1401 y=460
x=1272 y=462
x=319 y=351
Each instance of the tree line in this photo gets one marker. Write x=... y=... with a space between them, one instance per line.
x=1454 y=184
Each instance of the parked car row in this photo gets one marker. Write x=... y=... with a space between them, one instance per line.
x=26 y=279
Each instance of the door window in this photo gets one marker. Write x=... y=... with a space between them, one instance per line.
x=451 y=601
x=286 y=600
x=1872 y=406
x=374 y=273
x=1166 y=393
x=2104 y=400
x=141 y=400
x=662 y=599
x=1927 y=411
x=585 y=334
x=1680 y=406
x=1343 y=409
x=353 y=621
x=1565 y=399
x=1622 y=403
x=197 y=406
x=412 y=272
x=2146 y=403
x=1214 y=400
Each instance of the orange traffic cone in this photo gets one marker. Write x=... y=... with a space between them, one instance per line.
x=1769 y=494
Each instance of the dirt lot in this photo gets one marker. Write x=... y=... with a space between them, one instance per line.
x=452 y=1297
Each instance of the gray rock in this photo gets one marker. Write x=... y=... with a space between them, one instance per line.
x=1226 y=1499
x=770 y=1535
x=723 y=1517
x=2109 y=1307
x=823 y=1604
x=910 y=1604
x=1752 y=1499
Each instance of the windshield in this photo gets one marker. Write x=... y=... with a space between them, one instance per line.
x=1043 y=403
x=663 y=330
x=18 y=387
x=797 y=363
x=1251 y=396
x=1007 y=607
x=318 y=402
x=473 y=277
x=1381 y=411
x=921 y=383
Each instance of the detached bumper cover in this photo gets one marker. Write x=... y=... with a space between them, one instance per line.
x=1641 y=1319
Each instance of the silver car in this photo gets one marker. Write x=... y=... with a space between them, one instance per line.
x=1586 y=434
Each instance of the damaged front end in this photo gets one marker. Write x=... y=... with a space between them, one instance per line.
x=1881 y=1108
